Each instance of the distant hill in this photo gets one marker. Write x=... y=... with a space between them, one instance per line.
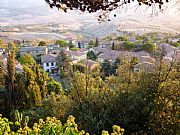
x=14 y=12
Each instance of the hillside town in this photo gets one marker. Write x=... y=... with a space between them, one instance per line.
x=94 y=53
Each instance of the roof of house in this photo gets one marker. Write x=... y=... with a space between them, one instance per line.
x=35 y=48
x=146 y=59
x=83 y=50
x=174 y=55
x=53 y=46
x=139 y=54
x=89 y=62
x=166 y=47
x=132 y=40
x=75 y=53
x=48 y=58
x=113 y=54
x=104 y=42
x=145 y=66
x=100 y=50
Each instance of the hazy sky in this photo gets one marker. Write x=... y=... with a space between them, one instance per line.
x=37 y=11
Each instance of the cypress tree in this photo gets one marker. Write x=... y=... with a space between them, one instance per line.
x=2 y=72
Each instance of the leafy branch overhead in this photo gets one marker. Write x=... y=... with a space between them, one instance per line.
x=99 y=5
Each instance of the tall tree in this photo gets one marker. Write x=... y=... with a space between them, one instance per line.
x=79 y=44
x=11 y=92
x=33 y=94
x=96 y=42
x=2 y=72
x=41 y=80
x=113 y=46
x=91 y=43
x=70 y=44
x=106 y=66
x=63 y=61
x=62 y=43
x=27 y=59
x=1 y=44
x=91 y=55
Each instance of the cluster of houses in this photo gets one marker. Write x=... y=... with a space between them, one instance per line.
x=48 y=55
x=104 y=52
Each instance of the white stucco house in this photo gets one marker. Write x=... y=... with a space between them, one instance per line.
x=49 y=63
x=2 y=51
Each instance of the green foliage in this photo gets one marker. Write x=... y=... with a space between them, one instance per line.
x=33 y=94
x=114 y=66
x=61 y=43
x=42 y=43
x=5 y=126
x=37 y=58
x=91 y=55
x=74 y=49
x=2 y=44
x=96 y=42
x=122 y=38
x=91 y=43
x=149 y=47
x=50 y=126
x=113 y=46
x=79 y=37
x=71 y=45
x=176 y=44
x=128 y=45
x=54 y=86
x=12 y=47
x=63 y=62
x=79 y=67
x=2 y=72
x=106 y=67
x=27 y=59
x=141 y=102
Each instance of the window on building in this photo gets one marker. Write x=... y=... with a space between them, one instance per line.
x=47 y=70
x=47 y=64
x=52 y=64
